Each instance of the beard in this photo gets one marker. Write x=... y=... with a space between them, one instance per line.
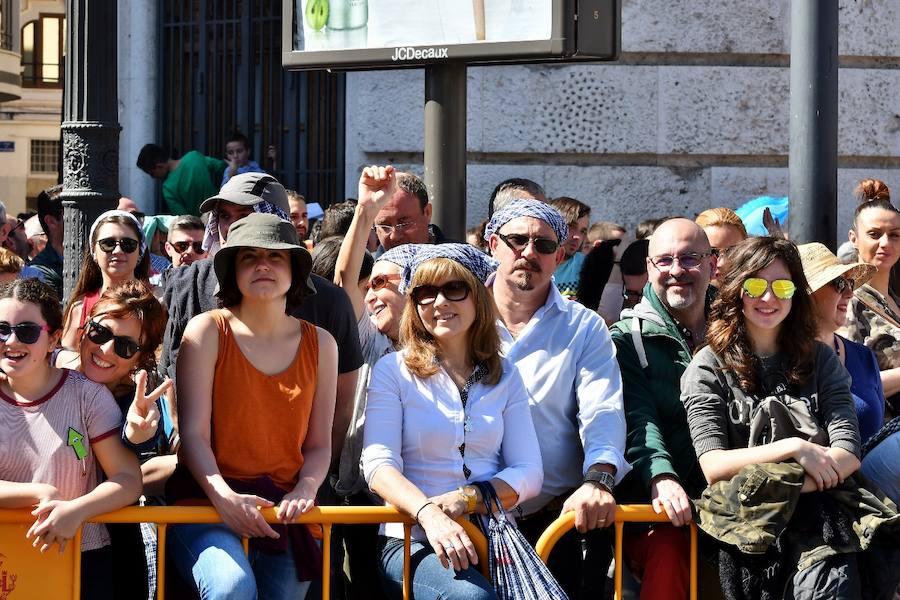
x=524 y=273
x=524 y=280
x=679 y=298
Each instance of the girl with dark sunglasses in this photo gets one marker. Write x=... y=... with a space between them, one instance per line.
x=770 y=406
x=56 y=428
x=117 y=253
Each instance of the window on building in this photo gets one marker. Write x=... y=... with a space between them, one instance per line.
x=43 y=43
x=44 y=156
x=7 y=22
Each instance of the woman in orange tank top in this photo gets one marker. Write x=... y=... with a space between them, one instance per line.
x=256 y=391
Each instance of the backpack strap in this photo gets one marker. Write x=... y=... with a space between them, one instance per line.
x=638 y=342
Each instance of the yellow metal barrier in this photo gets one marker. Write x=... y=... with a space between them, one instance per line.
x=638 y=513
x=61 y=574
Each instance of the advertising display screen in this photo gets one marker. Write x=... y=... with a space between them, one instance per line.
x=346 y=34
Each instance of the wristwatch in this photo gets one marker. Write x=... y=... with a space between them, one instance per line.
x=601 y=479
x=470 y=495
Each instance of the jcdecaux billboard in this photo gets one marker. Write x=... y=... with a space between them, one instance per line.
x=366 y=34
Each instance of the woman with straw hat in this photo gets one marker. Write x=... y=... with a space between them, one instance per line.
x=831 y=284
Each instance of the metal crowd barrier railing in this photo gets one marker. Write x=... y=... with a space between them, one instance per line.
x=627 y=513
x=62 y=573
x=14 y=548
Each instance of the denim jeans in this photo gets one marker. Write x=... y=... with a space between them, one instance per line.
x=212 y=556
x=882 y=466
x=429 y=579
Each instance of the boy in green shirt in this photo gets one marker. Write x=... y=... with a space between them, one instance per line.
x=187 y=181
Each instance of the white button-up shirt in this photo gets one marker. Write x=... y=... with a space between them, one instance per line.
x=568 y=363
x=417 y=425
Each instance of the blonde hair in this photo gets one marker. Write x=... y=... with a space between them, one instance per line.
x=9 y=262
x=421 y=348
x=721 y=217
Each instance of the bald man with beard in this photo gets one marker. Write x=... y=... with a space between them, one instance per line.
x=654 y=344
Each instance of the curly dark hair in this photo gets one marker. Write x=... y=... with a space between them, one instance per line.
x=727 y=331
x=135 y=299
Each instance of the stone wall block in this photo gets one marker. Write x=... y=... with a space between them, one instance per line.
x=868 y=112
x=723 y=110
x=866 y=27
x=386 y=110
x=573 y=109
x=630 y=194
x=705 y=26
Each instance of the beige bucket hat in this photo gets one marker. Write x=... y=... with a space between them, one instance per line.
x=821 y=266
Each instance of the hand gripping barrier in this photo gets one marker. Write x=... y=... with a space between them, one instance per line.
x=25 y=573
x=637 y=513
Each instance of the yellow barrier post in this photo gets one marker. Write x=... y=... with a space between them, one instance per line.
x=326 y=562
x=161 y=531
x=625 y=513
x=407 y=558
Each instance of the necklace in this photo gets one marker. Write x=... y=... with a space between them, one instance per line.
x=837 y=346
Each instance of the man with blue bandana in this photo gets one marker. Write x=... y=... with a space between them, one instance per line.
x=567 y=360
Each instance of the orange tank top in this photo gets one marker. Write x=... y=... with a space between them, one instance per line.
x=259 y=421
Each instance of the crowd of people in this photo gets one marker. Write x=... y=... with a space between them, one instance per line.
x=744 y=383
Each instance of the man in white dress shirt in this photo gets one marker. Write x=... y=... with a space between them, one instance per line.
x=567 y=361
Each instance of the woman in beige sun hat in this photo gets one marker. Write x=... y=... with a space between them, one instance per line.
x=831 y=285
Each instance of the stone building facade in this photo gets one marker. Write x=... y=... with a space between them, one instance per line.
x=695 y=114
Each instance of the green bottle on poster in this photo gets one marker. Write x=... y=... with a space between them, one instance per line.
x=348 y=14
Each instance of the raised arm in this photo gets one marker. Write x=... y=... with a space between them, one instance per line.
x=376 y=186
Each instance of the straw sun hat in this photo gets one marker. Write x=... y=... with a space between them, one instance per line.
x=821 y=266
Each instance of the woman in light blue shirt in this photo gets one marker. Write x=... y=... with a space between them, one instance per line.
x=443 y=413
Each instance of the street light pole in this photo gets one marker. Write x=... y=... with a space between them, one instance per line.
x=813 y=130
x=90 y=128
x=445 y=146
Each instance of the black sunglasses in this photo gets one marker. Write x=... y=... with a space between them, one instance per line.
x=124 y=346
x=108 y=245
x=183 y=246
x=518 y=242
x=842 y=283
x=27 y=332
x=452 y=290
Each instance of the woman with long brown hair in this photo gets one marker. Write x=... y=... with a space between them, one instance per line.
x=117 y=253
x=766 y=391
x=443 y=413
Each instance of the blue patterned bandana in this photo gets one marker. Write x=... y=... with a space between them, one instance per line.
x=528 y=208
x=480 y=264
x=403 y=256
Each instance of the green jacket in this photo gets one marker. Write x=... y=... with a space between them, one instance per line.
x=751 y=510
x=658 y=440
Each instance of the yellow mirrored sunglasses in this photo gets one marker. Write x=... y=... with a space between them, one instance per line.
x=784 y=289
